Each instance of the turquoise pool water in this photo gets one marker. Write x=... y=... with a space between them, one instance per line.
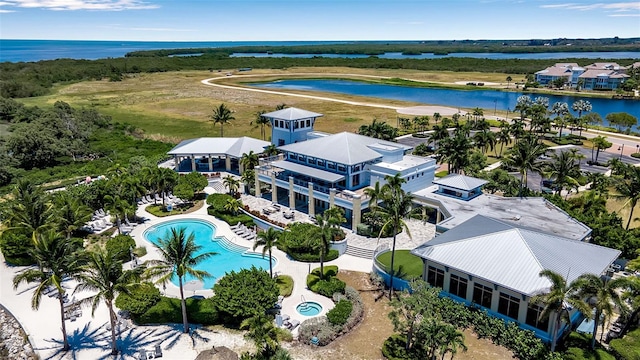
x=309 y=308
x=229 y=258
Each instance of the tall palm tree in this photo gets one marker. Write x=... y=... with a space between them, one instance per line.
x=271 y=150
x=599 y=143
x=231 y=183
x=560 y=110
x=222 y=115
x=120 y=208
x=440 y=132
x=524 y=156
x=437 y=117
x=503 y=137
x=167 y=179
x=261 y=121
x=629 y=188
x=328 y=221
x=485 y=140
x=509 y=80
x=558 y=299
x=232 y=206
x=603 y=297
x=267 y=239
x=451 y=341
x=248 y=179
x=396 y=206
x=104 y=277
x=375 y=194
x=179 y=257
x=523 y=104
x=55 y=260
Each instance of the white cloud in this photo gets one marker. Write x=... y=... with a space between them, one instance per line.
x=625 y=15
x=161 y=29
x=97 y=5
x=619 y=6
x=2 y=11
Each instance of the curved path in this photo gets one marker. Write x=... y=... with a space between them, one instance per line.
x=401 y=109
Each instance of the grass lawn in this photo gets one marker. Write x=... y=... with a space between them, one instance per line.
x=622 y=208
x=410 y=265
x=285 y=284
x=159 y=210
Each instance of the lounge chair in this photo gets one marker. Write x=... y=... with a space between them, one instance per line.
x=142 y=355
x=102 y=213
x=251 y=237
x=236 y=226
x=293 y=324
x=157 y=351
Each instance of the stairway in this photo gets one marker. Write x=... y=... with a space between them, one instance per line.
x=359 y=252
x=218 y=187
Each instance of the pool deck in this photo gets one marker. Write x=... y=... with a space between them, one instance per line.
x=89 y=335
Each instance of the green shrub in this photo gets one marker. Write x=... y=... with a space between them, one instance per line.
x=331 y=255
x=394 y=348
x=168 y=310
x=15 y=248
x=122 y=246
x=243 y=294
x=216 y=204
x=329 y=272
x=363 y=229
x=285 y=284
x=636 y=155
x=340 y=313
x=627 y=347
x=442 y=173
x=141 y=299
x=140 y=251
x=329 y=287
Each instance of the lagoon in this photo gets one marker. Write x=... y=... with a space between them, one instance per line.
x=483 y=98
x=492 y=56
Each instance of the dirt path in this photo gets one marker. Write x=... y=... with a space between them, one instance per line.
x=365 y=341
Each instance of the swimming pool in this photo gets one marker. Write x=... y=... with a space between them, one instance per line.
x=230 y=256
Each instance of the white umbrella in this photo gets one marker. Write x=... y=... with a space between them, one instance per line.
x=193 y=285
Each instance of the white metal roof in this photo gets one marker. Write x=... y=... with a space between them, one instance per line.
x=461 y=182
x=291 y=114
x=513 y=257
x=307 y=170
x=344 y=148
x=235 y=147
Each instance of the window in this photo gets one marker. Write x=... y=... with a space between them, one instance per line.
x=355 y=180
x=301 y=158
x=509 y=305
x=311 y=161
x=280 y=142
x=296 y=124
x=308 y=123
x=331 y=166
x=435 y=277
x=533 y=318
x=458 y=286
x=482 y=295
x=321 y=163
x=342 y=168
x=356 y=168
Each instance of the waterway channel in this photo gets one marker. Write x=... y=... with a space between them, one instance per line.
x=483 y=98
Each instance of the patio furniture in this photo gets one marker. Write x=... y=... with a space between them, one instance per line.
x=158 y=351
x=293 y=324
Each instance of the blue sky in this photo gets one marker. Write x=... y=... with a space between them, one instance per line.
x=267 y=20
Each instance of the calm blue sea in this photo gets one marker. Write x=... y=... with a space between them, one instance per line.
x=36 y=50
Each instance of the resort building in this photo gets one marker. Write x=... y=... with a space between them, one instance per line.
x=214 y=154
x=597 y=76
x=495 y=265
x=457 y=198
x=333 y=170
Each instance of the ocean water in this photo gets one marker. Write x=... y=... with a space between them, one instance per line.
x=36 y=50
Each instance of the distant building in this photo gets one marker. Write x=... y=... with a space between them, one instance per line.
x=597 y=76
x=214 y=154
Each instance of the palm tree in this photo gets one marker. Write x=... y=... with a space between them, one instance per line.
x=629 y=188
x=328 y=221
x=120 y=208
x=30 y=210
x=437 y=117
x=231 y=183
x=249 y=160
x=71 y=214
x=503 y=137
x=557 y=301
x=581 y=106
x=248 y=178
x=104 y=277
x=509 y=79
x=563 y=170
x=603 y=296
x=55 y=260
x=375 y=194
x=271 y=150
x=267 y=239
x=232 y=206
x=451 y=341
x=261 y=121
x=524 y=156
x=485 y=140
x=440 y=132
x=262 y=332
x=222 y=115
x=560 y=110
x=631 y=296
x=477 y=112
x=523 y=105
x=396 y=207
x=599 y=143
x=179 y=256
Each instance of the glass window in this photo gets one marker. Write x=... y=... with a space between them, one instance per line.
x=342 y=168
x=355 y=180
x=311 y=161
x=435 y=277
x=508 y=305
x=308 y=123
x=533 y=318
x=458 y=286
x=331 y=166
x=482 y=295
x=321 y=163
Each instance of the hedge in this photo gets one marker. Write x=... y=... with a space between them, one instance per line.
x=217 y=203
x=627 y=347
x=168 y=310
x=121 y=245
x=340 y=313
x=329 y=285
x=285 y=284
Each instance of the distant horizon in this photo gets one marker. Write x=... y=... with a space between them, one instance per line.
x=330 y=40
x=310 y=20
